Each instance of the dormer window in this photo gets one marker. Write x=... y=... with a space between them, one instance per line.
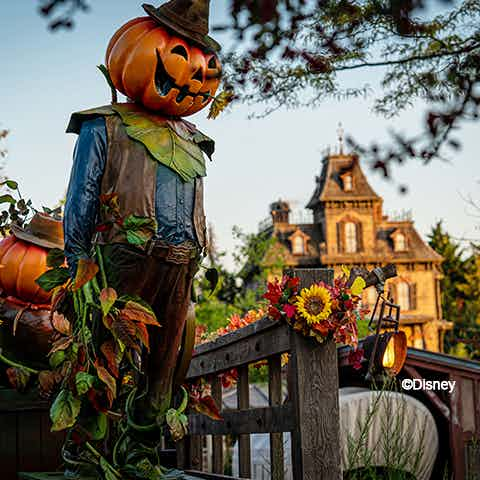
x=347 y=181
x=298 y=245
x=298 y=241
x=400 y=243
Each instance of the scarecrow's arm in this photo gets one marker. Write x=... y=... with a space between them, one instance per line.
x=82 y=202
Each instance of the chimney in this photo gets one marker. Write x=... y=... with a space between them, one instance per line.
x=280 y=212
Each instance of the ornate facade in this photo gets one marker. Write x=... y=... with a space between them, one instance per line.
x=349 y=228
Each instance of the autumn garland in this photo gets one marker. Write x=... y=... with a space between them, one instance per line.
x=321 y=311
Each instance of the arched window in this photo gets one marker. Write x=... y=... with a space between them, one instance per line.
x=403 y=295
x=400 y=242
x=350 y=237
x=298 y=245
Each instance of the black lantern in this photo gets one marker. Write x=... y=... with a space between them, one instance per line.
x=387 y=348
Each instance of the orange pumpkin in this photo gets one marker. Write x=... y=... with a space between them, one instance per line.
x=21 y=263
x=163 y=72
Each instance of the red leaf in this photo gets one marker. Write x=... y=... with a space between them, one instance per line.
x=108 y=296
x=48 y=380
x=18 y=378
x=138 y=313
x=125 y=331
x=108 y=380
x=86 y=270
x=113 y=355
x=142 y=334
x=207 y=406
x=107 y=321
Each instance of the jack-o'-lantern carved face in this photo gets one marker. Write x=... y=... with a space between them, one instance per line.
x=164 y=72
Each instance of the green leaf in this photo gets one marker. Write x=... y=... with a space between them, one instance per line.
x=183 y=155
x=53 y=278
x=108 y=470
x=139 y=229
x=11 y=184
x=64 y=410
x=57 y=358
x=55 y=258
x=108 y=296
x=7 y=199
x=178 y=424
x=84 y=382
x=96 y=426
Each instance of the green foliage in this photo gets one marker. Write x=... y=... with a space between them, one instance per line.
x=460 y=287
x=64 y=410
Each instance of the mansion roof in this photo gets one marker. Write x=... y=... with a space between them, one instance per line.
x=332 y=186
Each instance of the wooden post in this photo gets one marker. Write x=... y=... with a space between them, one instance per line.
x=313 y=388
x=275 y=398
x=243 y=399
x=217 y=440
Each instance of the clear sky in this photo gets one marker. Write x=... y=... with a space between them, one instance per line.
x=44 y=77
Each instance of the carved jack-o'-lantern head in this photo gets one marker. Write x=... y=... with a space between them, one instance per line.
x=165 y=72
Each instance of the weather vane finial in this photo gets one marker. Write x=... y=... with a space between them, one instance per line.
x=340 y=133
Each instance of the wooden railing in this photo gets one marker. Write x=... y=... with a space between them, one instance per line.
x=310 y=413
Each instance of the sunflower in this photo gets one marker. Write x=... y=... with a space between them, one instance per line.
x=314 y=304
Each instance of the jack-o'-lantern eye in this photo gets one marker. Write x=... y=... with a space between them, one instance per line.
x=212 y=63
x=180 y=50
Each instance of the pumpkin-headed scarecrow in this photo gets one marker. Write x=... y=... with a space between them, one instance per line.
x=136 y=188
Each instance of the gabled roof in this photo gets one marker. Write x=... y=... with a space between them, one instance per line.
x=330 y=186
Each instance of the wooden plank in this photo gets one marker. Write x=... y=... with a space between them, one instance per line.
x=313 y=386
x=12 y=401
x=217 y=459
x=243 y=401
x=237 y=422
x=251 y=330
x=275 y=399
x=29 y=442
x=8 y=446
x=52 y=443
x=249 y=349
x=196 y=452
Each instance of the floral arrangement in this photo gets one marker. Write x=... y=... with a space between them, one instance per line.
x=321 y=311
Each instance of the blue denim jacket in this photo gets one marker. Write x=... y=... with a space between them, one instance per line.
x=174 y=199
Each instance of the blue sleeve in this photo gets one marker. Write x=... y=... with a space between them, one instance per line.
x=82 y=201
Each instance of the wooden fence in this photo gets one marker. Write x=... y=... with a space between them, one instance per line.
x=310 y=414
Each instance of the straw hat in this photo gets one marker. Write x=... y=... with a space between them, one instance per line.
x=188 y=18
x=43 y=230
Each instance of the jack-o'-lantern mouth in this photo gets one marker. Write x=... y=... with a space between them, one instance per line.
x=164 y=83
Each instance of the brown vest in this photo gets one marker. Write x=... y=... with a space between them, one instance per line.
x=131 y=173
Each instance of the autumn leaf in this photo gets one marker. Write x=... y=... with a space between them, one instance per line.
x=178 y=424
x=86 y=271
x=18 y=378
x=220 y=102
x=113 y=355
x=142 y=334
x=61 y=344
x=357 y=286
x=47 y=381
x=108 y=296
x=139 y=313
x=125 y=331
x=206 y=406
x=61 y=324
x=64 y=410
x=108 y=380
